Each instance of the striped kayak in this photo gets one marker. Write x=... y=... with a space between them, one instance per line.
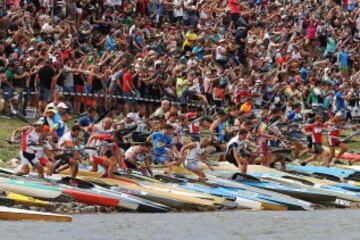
x=32 y=189
x=13 y=214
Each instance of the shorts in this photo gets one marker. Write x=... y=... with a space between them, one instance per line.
x=29 y=158
x=130 y=165
x=310 y=142
x=231 y=159
x=45 y=94
x=334 y=142
x=191 y=165
x=318 y=149
x=43 y=161
x=98 y=160
x=159 y=159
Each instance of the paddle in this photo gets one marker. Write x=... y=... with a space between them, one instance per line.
x=21 y=117
x=77 y=117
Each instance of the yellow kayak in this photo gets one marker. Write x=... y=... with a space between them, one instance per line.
x=18 y=198
x=13 y=214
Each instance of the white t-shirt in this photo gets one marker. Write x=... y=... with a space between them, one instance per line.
x=194 y=154
x=178 y=8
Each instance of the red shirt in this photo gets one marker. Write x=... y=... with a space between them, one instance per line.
x=334 y=131
x=234 y=6
x=316 y=132
x=127 y=82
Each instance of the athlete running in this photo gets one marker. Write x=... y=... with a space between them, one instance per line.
x=237 y=152
x=164 y=149
x=196 y=152
x=335 y=124
x=316 y=130
x=31 y=148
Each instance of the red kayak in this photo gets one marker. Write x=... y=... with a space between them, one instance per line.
x=92 y=198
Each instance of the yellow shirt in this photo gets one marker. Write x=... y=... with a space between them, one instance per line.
x=190 y=38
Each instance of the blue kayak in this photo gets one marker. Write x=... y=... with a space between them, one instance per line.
x=328 y=171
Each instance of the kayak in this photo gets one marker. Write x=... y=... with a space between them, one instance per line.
x=21 y=199
x=91 y=198
x=300 y=193
x=13 y=214
x=241 y=201
x=346 y=156
x=126 y=201
x=326 y=172
x=32 y=189
x=309 y=183
x=257 y=193
x=190 y=201
x=291 y=203
x=171 y=188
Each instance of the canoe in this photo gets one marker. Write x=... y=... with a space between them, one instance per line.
x=21 y=199
x=13 y=214
x=33 y=189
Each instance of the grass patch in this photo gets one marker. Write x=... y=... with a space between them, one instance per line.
x=8 y=151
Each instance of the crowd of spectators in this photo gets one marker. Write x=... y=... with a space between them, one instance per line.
x=254 y=54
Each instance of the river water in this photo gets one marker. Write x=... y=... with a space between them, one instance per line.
x=227 y=225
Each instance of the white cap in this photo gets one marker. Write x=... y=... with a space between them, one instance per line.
x=131 y=116
x=62 y=105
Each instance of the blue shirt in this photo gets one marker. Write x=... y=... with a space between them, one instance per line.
x=343 y=58
x=86 y=121
x=161 y=143
x=303 y=74
x=339 y=101
x=294 y=116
